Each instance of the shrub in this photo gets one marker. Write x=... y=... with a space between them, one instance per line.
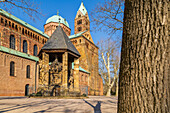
x=84 y=95
x=38 y=94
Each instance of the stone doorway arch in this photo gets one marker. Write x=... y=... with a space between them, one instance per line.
x=26 y=89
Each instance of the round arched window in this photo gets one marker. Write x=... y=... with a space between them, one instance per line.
x=79 y=28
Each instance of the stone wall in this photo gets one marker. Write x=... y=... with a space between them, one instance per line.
x=89 y=62
x=20 y=33
x=83 y=81
x=15 y=85
x=85 y=23
x=51 y=27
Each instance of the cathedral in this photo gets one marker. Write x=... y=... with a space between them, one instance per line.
x=52 y=62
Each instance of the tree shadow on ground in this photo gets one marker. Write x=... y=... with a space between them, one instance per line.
x=21 y=106
x=3 y=98
x=97 y=108
x=112 y=102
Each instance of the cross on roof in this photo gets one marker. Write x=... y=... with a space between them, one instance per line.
x=57 y=12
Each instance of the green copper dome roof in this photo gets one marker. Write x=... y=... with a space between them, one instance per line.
x=57 y=18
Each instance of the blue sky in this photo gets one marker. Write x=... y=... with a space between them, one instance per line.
x=67 y=9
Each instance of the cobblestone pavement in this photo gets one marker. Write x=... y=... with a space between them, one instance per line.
x=93 y=104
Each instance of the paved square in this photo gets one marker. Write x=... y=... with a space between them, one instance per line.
x=93 y=104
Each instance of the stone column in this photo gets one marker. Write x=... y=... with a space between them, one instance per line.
x=76 y=75
x=44 y=69
x=65 y=71
x=44 y=74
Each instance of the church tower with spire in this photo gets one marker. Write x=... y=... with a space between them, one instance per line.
x=81 y=21
x=83 y=42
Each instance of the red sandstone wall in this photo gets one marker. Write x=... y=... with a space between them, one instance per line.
x=15 y=85
x=6 y=30
x=51 y=27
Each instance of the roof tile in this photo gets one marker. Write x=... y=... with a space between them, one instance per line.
x=59 y=40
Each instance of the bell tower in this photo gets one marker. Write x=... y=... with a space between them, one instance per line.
x=81 y=21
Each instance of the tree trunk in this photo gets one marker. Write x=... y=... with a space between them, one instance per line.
x=143 y=80
x=117 y=87
x=108 y=94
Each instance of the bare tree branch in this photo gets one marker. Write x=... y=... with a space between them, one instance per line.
x=28 y=6
x=108 y=16
x=109 y=63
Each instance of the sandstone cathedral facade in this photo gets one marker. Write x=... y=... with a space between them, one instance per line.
x=51 y=62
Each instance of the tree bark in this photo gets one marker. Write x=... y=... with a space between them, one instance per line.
x=108 y=92
x=144 y=68
x=117 y=87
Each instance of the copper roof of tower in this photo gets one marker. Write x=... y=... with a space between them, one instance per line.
x=59 y=40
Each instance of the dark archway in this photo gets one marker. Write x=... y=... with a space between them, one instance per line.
x=26 y=89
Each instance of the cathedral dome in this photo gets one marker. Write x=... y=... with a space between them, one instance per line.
x=57 y=18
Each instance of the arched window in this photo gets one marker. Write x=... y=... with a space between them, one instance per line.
x=79 y=28
x=79 y=22
x=12 y=68
x=16 y=27
x=28 y=71
x=25 y=46
x=43 y=41
x=2 y=20
x=9 y=24
x=12 y=25
x=35 y=50
x=6 y=23
x=26 y=32
x=86 y=23
x=12 y=42
x=79 y=15
x=23 y=31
